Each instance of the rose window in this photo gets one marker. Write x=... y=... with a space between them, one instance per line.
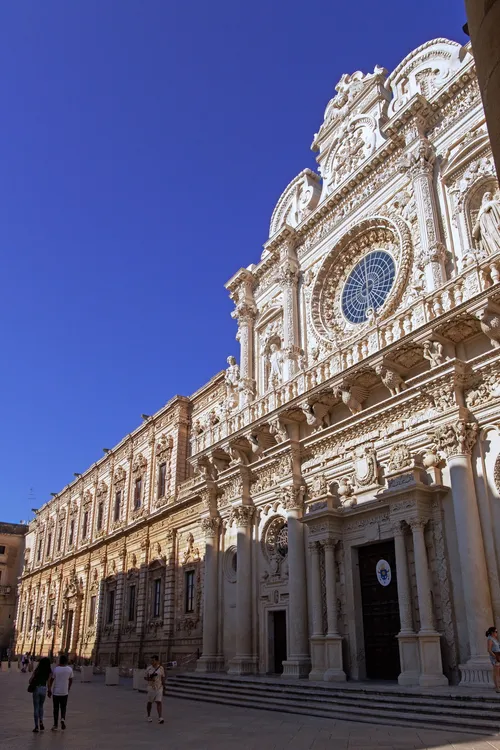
x=368 y=285
x=275 y=538
x=282 y=541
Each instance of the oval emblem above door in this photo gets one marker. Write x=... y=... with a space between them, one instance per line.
x=383 y=570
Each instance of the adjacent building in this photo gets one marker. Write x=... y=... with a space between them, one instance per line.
x=12 y=537
x=330 y=506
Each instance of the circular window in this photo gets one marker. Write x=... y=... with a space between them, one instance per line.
x=368 y=285
x=282 y=541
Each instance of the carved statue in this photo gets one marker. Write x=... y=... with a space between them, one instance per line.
x=433 y=352
x=232 y=380
x=490 y=325
x=275 y=365
x=345 y=393
x=317 y=415
x=487 y=227
x=391 y=379
x=278 y=430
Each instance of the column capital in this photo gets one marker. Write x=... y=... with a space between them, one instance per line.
x=313 y=548
x=417 y=523
x=456 y=438
x=210 y=527
x=288 y=273
x=397 y=527
x=292 y=498
x=329 y=543
x=243 y=515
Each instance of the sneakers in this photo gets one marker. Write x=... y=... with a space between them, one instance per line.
x=63 y=724
x=41 y=726
x=161 y=720
x=35 y=730
x=149 y=719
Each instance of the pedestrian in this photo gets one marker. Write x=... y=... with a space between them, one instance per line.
x=60 y=683
x=24 y=662
x=155 y=676
x=493 y=646
x=38 y=688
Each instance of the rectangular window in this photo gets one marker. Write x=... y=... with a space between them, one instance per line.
x=131 y=603
x=2 y=549
x=111 y=607
x=85 y=525
x=40 y=616
x=49 y=544
x=39 y=553
x=71 y=532
x=31 y=619
x=51 y=616
x=162 y=478
x=92 y=610
x=100 y=513
x=156 y=597
x=59 y=538
x=189 y=593
x=117 y=508
x=22 y=622
x=137 y=493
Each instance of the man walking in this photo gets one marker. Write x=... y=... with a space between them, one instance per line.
x=60 y=683
x=155 y=676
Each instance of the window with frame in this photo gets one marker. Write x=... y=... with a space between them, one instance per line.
x=137 y=493
x=31 y=619
x=131 y=602
x=71 y=532
x=162 y=479
x=22 y=621
x=111 y=607
x=51 y=615
x=2 y=549
x=49 y=544
x=40 y=616
x=100 y=514
x=39 y=553
x=189 y=591
x=117 y=506
x=92 y=607
x=59 y=538
x=85 y=524
x=156 y=597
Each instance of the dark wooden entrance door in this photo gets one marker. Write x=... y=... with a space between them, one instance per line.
x=279 y=628
x=381 y=622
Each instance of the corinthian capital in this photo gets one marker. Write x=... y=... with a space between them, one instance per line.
x=243 y=515
x=244 y=312
x=210 y=527
x=421 y=160
x=288 y=274
x=456 y=438
x=292 y=498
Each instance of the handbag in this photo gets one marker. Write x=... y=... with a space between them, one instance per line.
x=31 y=686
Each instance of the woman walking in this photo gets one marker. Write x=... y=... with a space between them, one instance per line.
x=38 y=688
x=493 y=649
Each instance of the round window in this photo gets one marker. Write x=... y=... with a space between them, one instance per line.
x=368 y=285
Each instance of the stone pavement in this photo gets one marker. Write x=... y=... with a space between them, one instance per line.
x=105 y=718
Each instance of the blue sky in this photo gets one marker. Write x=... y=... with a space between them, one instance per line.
x=143 y=146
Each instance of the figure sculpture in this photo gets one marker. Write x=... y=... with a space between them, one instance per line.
x=433 y=352
x=487 y=227
x=275 y=365
x=232 y=380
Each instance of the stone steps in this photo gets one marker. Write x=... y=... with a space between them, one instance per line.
x=476 y=714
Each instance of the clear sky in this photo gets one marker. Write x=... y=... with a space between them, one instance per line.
x=143 y=146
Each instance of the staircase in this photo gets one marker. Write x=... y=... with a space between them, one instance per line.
x=441 y=708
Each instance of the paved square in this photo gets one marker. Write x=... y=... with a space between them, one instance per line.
x=104 y=718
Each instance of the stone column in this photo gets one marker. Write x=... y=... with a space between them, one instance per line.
x=457 y=440
x=408 y=642
x=245 y=661
x=288 y=277
x=335 y=671
x=298 y=663
x=169 y=601
x=210 y=661
x=432 y=251
x=245 y=313
x=428 y=639
x=317 y=637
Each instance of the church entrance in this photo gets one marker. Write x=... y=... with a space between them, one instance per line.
x=381 y=624
x=277 y=641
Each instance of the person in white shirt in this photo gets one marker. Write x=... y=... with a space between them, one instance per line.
x=155 y=676
x=60 y=683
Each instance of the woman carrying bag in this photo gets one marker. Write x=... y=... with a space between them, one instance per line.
x=38 y=688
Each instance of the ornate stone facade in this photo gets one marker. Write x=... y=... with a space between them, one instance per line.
x=362 y=420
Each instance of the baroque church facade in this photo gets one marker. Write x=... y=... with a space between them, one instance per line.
x=327 y=508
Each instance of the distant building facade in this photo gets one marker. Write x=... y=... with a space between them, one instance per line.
x=330 y=506
x=12 y=536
